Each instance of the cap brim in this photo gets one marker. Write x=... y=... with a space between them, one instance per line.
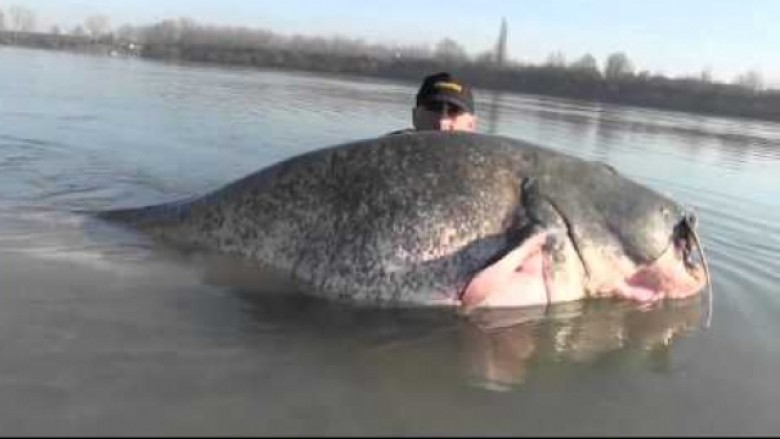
x=450 y=99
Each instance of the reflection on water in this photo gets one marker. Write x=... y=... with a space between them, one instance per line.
x=502 y=354
x=498 y=348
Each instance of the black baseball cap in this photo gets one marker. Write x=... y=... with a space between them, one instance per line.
x=443 y=87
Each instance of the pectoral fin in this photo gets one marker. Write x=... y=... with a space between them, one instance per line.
x=518 y=279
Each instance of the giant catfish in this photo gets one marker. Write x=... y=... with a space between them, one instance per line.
x=431 y=218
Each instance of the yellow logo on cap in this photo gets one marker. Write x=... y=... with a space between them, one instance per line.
x=449 y=86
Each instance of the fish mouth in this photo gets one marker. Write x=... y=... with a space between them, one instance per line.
x=691 y=251
x=688 y=247
x=680 y=271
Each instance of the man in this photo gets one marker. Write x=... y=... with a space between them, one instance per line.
x=443 y=103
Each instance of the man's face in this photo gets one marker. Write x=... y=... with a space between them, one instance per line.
x=443 y=116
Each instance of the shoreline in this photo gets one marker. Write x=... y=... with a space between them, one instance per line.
x=685 y=95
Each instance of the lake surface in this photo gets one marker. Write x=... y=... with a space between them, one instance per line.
x=105 y=333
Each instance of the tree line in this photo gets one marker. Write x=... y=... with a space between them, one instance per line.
x=616 y=82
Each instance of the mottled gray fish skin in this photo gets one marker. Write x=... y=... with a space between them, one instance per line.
x=410 y=218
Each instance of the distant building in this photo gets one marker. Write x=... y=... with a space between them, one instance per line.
x=501 y=44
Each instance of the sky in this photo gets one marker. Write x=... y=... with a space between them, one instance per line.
x=670 y=37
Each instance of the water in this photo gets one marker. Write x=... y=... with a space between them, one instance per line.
x=102 y=332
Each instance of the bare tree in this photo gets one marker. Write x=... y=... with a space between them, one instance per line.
x=449 y=50
x=23 y=19
x=412 y=51
x=586 y=63
x=486 y=57
x=556 y=59
x=751 y=80
x=618 y=65
x=55 y=30
x=78 y=31
x=127 y=32
x=2 y=20
x=164 y=32
x=706 y=75
x=97 y=25
x=643 y=75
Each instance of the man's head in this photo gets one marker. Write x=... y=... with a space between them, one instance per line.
x=445 y=104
